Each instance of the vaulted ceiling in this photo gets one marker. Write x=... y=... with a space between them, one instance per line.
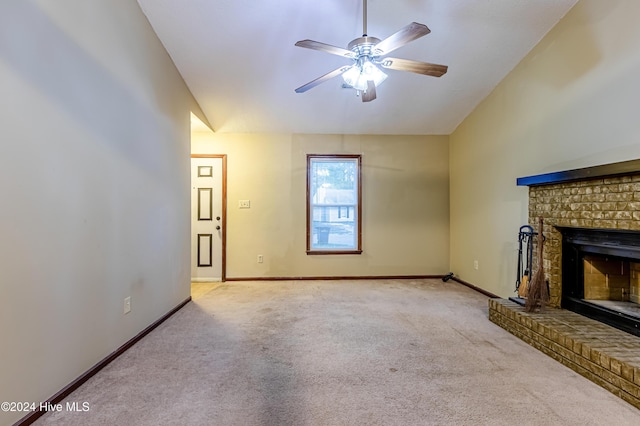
x=239 y=60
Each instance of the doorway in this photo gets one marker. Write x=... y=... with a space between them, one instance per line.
x=208 y=217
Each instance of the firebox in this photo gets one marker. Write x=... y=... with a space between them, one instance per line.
x=601 y=275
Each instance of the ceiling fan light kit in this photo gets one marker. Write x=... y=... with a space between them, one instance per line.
x=367 y=54
x=363 y=71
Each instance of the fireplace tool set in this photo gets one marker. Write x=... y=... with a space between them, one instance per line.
x=531 y=286
x=525 y=259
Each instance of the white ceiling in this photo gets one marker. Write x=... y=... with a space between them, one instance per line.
x=239 y=60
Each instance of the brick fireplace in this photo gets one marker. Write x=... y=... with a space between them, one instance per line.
x=592 y=229
x=604 y=203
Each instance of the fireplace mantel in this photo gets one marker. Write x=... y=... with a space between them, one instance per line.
x=595 y=172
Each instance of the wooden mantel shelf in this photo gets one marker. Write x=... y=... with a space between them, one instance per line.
x=595 y=172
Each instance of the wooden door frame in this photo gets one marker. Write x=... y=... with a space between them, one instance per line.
x=224 y=208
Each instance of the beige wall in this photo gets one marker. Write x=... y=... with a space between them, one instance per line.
x=572 y=102
x=405 y=203
x=94 y=187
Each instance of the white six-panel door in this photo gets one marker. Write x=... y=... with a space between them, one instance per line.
x=206 y=219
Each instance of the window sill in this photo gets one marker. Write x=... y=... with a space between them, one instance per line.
x=320 y=252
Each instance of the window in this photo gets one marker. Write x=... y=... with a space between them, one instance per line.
x=334 y=197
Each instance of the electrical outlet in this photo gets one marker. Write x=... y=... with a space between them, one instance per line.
x=260 y=258
x=475 y=265
x=127 y=305
x=244 y=204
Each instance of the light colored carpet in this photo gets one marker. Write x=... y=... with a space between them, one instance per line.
x=200 y=289
x=392 y=352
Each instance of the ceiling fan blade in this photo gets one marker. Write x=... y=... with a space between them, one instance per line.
x=402 y=37
x=322 y=79
x=424 y=68
x=323 y=47
x=370 y=93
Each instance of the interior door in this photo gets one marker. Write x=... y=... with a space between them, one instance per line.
x=207 y=218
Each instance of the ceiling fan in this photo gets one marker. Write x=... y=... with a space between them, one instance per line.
x=368 y=55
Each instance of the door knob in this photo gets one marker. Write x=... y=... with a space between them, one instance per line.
x=218 y=227
x=217 y=217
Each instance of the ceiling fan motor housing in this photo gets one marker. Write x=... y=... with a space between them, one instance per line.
x=364 y=46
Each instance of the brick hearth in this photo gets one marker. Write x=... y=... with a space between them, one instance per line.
x=603 y=354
